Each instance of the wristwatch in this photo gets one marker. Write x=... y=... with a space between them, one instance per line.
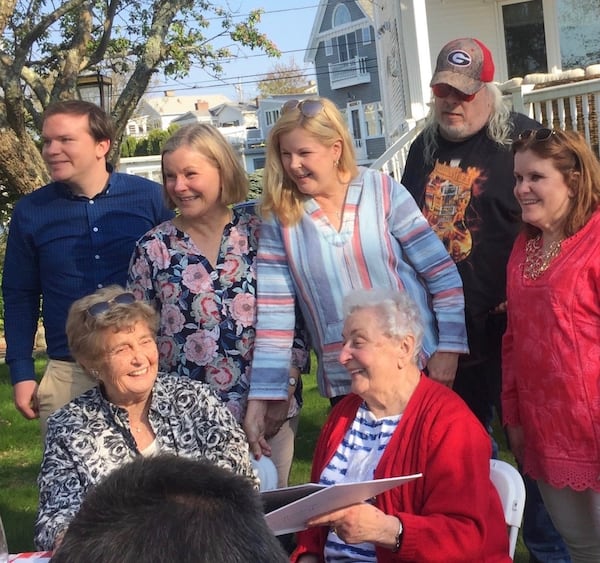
x=292 y=382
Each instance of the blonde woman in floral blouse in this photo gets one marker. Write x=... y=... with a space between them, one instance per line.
x=132 y=411
x=199 y=271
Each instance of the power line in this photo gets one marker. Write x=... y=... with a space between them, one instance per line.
x=370 y=66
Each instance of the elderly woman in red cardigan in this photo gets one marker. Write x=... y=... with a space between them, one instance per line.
x=397 y=422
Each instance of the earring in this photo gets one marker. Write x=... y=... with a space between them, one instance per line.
x=336 y=163
x=94 y=373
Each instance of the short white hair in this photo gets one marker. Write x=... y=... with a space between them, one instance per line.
x=398 y=314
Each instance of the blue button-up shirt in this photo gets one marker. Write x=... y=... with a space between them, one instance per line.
x=62 y=247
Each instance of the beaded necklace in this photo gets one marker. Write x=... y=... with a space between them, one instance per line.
x=537 y=260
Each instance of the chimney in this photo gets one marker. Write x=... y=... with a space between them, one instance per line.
x=169 y=93
x=201 y=105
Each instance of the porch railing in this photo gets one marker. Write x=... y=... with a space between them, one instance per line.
x=392 y=161
x=349 y=73
x=573 y=106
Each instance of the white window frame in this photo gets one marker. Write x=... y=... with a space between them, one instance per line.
x=551 y=31
x=366 y=35
x=343 y=11
x=328 y=47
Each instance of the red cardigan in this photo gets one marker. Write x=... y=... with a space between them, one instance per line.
x=453 y=512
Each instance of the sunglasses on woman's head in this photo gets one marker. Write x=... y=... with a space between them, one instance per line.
x=444 y=90
x=308 y=108
x=103 y=306
x=537 y=134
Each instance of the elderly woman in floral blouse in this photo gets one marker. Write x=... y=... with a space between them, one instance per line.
x=199 y=271
x=133 y=411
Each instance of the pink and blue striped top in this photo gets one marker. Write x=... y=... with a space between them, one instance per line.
x=384 y=242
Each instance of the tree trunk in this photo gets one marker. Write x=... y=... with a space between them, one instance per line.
x=21 y=166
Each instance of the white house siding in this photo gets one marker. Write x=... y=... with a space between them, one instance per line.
x=450 y=19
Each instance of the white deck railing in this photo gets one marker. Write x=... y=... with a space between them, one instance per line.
x=575 y=105
x=566 y=106
x=392 y=161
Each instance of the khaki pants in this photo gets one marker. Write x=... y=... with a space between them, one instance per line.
x=282 y=449
x=576 y=516
x=61 y=383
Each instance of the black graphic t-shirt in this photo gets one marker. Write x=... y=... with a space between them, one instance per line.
x=467 y=197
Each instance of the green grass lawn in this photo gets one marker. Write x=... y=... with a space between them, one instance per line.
x=21 y=451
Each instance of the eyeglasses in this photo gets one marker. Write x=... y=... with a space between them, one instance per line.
x=537 y=134
x=444 y=90
x=308 y=108
x=103 y=306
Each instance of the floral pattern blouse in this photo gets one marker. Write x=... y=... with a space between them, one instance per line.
x=90 y=437
x=207 y=313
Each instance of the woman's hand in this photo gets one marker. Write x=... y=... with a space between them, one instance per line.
x=254 y=426
x=361 y=523
x=516 y=442
x=442 y=367
x=275 y=416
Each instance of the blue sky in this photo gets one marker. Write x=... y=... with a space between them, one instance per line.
x=288 y=23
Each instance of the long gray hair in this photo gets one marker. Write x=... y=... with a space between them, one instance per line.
x=499 y=127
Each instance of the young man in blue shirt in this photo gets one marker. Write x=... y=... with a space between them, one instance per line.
x=67 y=239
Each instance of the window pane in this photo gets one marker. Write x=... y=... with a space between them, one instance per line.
x=525 y=39
x=366 y=35
x=374 y=119
x=352 y=52
x=342 y=48
x=341 y=15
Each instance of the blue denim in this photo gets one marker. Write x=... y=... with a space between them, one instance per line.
x=544 y=543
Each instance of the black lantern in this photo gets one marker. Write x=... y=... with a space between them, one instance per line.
x=95 y=88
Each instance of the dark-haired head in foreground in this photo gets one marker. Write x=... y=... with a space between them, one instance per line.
x=170 y=509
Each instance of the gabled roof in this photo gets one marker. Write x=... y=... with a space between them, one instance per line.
x=178 y=105
x=313 y=42
x=241 y=107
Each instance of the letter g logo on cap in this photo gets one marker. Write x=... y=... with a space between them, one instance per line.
x=459 y=58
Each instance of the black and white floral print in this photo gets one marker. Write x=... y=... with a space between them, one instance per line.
x=90 y=437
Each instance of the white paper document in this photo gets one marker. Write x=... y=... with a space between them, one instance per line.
x=293 y=516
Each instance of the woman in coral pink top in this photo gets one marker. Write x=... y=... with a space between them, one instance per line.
x=551 y=351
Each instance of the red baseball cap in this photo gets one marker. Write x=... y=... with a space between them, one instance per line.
x=465 y=64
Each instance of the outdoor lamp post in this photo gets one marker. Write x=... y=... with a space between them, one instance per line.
x=95 y=88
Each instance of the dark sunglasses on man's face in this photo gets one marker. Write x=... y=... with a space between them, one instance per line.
x=103 y=306
x=308 y=108
x=444 y=90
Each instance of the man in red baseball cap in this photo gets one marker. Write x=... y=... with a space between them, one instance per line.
x=464 y=64
x=460 y=172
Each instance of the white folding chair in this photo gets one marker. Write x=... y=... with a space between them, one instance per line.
x=265 y=470
x=511 y=488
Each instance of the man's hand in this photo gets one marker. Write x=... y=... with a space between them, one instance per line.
x=442 y=367
x=25 y=397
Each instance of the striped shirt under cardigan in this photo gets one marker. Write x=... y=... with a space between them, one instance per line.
x=384 y=242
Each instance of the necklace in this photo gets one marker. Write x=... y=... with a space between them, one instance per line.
x=537 y=260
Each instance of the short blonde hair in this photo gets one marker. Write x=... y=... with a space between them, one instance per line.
x=280 y=194
x=84 y=329
x=207 y=141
